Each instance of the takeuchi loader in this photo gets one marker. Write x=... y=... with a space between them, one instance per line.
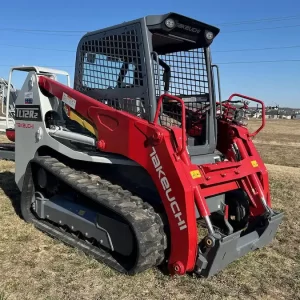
x=137 y=157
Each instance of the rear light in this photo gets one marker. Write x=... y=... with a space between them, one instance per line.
x=10 y=134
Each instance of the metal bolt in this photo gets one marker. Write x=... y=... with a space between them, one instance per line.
x=101 y=145
x=60 y=222
x=178 y=268
x=86 y=234
x=101 y=241
x=208 y=242
x=72 y=227
x=47 y=216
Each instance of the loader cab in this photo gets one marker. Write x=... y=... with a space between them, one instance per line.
x=130 y=65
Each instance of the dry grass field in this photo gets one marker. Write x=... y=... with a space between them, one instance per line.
x=34 y=266
x=279 y=142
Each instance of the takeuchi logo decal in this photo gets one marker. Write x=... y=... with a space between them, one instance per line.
x=168 y=190
x=188 y=28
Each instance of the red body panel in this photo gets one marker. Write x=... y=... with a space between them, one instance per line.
x=153 y=147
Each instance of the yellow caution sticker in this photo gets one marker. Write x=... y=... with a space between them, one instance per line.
x=81 y=212
x=195 y=174
x=254 y=163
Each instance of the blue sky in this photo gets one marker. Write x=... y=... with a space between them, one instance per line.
x=274 y=83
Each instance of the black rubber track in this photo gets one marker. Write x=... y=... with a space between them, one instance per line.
x=145 y=222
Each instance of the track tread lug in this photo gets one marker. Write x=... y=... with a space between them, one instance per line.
x=147 y=224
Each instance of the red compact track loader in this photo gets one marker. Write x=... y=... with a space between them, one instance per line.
x=139 y=155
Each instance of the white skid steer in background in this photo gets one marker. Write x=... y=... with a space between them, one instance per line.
x=7 y=119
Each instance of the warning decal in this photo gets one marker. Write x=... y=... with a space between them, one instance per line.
x=254 y=163
x=28 y=97
x=195 y=174
x=69 y=100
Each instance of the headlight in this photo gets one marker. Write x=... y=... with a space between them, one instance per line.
x=209 y=35
x=170 y=23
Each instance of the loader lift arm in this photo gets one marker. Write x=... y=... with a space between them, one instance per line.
x=112 y=137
